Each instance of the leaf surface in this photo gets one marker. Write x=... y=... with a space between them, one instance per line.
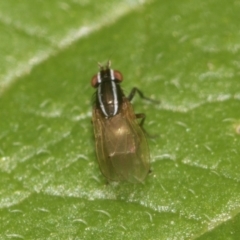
x=185 y=54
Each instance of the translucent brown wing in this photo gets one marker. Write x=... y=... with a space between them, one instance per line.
x=121 y=145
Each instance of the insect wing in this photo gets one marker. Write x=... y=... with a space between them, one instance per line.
x=121 y=145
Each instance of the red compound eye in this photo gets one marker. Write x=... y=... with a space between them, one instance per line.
x=94 y=81
x=117 y=75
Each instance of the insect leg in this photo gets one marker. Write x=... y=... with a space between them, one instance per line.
x=143 y=117
x=140 y=93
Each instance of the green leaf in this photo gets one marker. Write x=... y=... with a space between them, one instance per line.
x=185 y=54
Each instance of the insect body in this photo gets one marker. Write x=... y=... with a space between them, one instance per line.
x=121 y=146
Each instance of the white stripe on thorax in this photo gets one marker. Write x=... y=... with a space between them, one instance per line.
x=100 y=101
x=115 y=101
x=111 y=74
x=99 y=80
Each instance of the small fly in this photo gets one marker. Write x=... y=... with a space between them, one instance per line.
x=121 y=145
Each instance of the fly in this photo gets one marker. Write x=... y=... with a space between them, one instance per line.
x=121 y=145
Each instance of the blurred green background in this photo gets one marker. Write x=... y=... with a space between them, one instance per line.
x=185 y=54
